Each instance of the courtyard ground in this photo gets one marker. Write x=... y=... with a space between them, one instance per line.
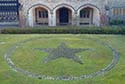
x=22 y=61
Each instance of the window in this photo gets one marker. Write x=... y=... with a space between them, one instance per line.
x=118 y=11
x=43 y=14
x=124 y=11
x=85 y=13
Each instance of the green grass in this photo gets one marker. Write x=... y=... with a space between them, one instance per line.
x=29 y=59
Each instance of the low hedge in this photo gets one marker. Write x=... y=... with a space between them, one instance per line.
x=117 y=22
x=65 y=30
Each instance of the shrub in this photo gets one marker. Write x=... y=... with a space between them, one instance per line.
x=65 y=30
x=117 y=22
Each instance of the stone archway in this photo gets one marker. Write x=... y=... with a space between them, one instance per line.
x=39 y=15
x=89 y=15
x=86 y=16
x=63 y=15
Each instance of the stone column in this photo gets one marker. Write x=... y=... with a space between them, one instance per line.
x=74 y=18
x=53 y=18
x=49 y=19
x=77 y=19
x=30 y=18
x=96 y=17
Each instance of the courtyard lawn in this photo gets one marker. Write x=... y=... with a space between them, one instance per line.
x=27 y=57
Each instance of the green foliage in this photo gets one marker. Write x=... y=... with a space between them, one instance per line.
x=117 y=22
x=65 y=30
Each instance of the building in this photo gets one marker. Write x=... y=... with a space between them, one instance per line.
x=60 y=12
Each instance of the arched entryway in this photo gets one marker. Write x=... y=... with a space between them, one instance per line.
x=63 y=16
x=89 y=15
x=39 y=15
x=86 y=16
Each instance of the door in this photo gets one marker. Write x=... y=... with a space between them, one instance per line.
x=63 y=16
